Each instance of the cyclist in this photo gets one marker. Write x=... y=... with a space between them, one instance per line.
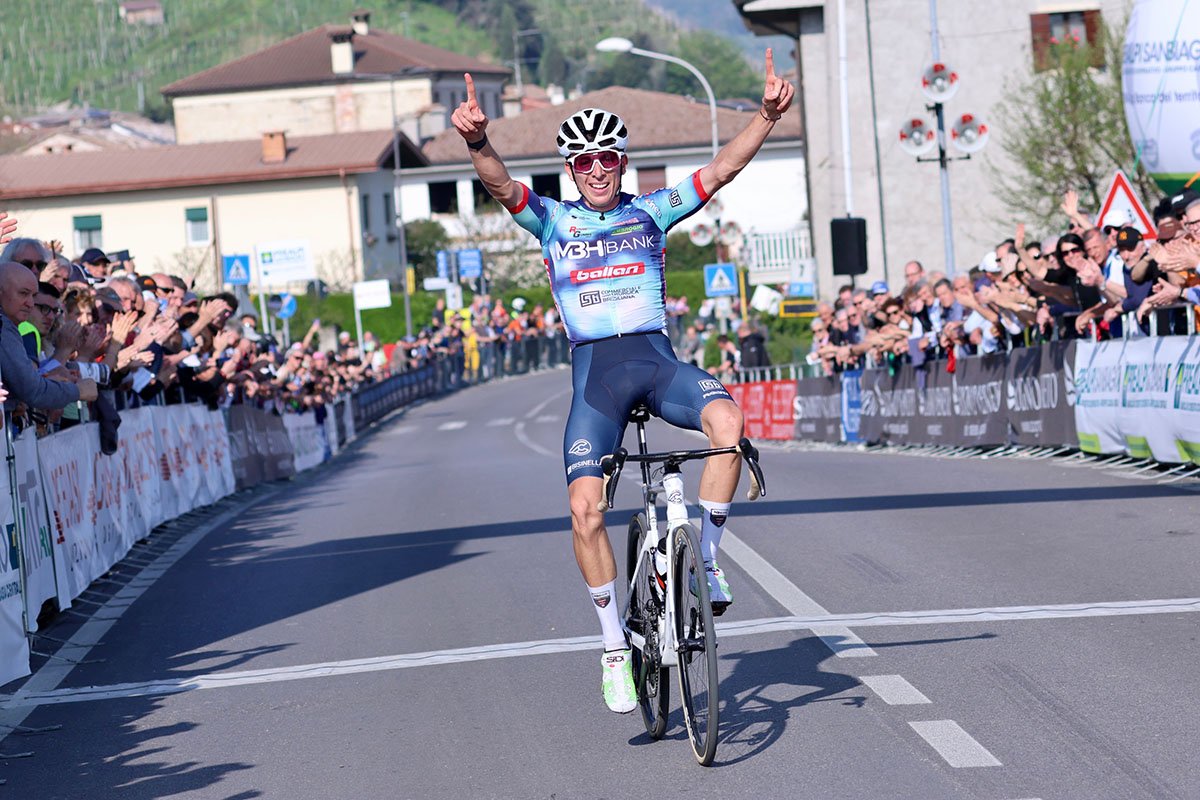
x=604 y=256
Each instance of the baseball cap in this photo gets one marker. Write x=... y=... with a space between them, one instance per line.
x=1181 y=200
x=93 y=255
x=1128 y=238
x=879 y=287
x=146 y=283
x=988 y=263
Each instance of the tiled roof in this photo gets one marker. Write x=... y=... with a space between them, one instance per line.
x=304 y=60
x=58 y=175
x=655 y=121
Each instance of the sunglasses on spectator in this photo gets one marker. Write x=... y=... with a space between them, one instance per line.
x=585 y=163
x=1068 y=250
x=42 y=264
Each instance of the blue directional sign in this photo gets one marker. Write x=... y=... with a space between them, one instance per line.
x=237 y=270
x=443 y=263
x=720 y=280
x=470 y=263
x=287 y=308
x=801 y=289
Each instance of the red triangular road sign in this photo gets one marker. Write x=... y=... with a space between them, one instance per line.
x=1122 y=207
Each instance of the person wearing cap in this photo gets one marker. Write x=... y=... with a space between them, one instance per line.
x=1140 y=272
x=95 y=262
x=605 y=258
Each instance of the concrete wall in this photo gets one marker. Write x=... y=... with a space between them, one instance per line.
x=987 y=43
x=151 y=224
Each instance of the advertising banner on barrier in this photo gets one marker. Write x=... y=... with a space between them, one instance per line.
x=768 y=408
x=1140 y=397
x=14 y=646
x=33 y=523
x=67 y=470
x=1040 y=394
x=851 y=404
x=818 y=409
x=306 y=437
x=260 y=447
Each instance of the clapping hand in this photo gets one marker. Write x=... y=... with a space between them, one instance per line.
x=7 y=228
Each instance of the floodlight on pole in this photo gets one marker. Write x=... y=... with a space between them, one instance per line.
x=617 y=44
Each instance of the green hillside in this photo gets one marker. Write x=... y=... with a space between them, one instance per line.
x=81 y=51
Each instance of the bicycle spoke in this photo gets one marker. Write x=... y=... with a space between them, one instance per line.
x=696 y=645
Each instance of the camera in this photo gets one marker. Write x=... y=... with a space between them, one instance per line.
x=92 y=371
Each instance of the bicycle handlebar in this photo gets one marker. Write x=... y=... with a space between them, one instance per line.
x=613 y=464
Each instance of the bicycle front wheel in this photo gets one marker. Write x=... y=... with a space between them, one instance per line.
x=697 y=643
x=642 y=618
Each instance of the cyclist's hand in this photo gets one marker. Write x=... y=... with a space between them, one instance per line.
x=778 y=93
x=468 y=119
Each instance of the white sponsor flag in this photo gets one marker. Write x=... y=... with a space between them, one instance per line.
x=14 y=646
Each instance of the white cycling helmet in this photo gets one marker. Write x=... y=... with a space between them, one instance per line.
x=590 y=131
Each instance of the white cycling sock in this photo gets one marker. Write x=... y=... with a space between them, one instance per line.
x=711 y=528
x=604 y=600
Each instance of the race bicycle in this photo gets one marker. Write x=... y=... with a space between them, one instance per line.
x=668 y=615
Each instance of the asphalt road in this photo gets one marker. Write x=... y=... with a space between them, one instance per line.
x=408 y=622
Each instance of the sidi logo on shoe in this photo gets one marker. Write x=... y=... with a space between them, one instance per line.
x=616 y=660
x=602 y=600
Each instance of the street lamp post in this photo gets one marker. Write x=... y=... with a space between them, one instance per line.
x=616 y=44
x=399 y=217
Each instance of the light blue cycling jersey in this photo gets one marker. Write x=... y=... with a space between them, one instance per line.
x=606 y=269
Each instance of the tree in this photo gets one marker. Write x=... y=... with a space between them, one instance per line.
x=1068 y=130
x=682 y=254
x=422 y=239
x=721 y=63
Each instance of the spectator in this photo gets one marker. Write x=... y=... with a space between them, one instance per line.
x=913 y=274
x=752 y=348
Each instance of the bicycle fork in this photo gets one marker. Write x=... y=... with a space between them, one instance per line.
x=672 y=489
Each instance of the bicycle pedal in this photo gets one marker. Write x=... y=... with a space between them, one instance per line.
x=718 y=608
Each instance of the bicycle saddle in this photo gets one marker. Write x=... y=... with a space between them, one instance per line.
x=639 y=413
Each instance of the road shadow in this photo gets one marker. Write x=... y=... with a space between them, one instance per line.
x=123 y=760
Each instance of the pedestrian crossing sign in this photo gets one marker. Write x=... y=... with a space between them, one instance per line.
x=720 y=280
x=237 y=270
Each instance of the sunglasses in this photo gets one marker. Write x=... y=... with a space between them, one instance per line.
x=32 y=264
x=585 y=163
x=1068 y=251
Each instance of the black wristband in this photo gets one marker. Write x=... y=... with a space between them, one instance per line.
x=478 y=145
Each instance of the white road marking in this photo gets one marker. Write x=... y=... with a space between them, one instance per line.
x=533 y=412
x=524 y=439
x=453 y=426
x=894 y=690
x=548 y=418
x=39 y=690
x=840 y=639
x=501 y=421
x=954 y=744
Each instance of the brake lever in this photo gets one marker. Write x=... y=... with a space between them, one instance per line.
x=611 y=466
x=758 y=487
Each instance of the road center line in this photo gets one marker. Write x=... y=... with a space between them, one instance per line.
x=955 y=745
x=32 y=696
x=894 y=690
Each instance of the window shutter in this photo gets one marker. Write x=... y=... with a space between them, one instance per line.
x=651 y=179
x=1039 y=25
x=88 y=222
x=1091 y=24
x=197 y=214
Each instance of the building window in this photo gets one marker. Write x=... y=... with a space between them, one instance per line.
x=389 y=218
x=651 y=179
x=1062 y=29
x=88 y=233
x=547 y=186
x=196 y=223
x=443 y=197
x=484 y=202
x=364 y=213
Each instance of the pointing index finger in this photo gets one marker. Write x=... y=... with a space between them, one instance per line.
x=770 y=65
x=471 y=101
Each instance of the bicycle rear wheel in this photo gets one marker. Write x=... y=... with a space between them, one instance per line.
x=642 y=617
x=698 y=682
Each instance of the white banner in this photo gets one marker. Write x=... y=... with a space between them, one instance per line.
x=33 y=525
x=348 y=415
x=307 y=442
x=14 y=646
x=1140 y=397
x=67 y=472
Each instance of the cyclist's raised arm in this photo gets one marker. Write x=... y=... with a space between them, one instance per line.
x=736 y=154
x=471 y=123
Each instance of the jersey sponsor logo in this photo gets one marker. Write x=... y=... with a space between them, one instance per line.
x=581 y=447
x=609 y=295
x=676 y=202
x=652 y=205
x=612 y=271
x=710 y=385
x=627 y=229
x=599 y=249
x=577 y=231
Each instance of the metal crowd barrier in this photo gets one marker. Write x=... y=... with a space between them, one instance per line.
x=450 y=372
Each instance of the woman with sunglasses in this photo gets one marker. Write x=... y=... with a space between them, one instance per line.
x=605 y=259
